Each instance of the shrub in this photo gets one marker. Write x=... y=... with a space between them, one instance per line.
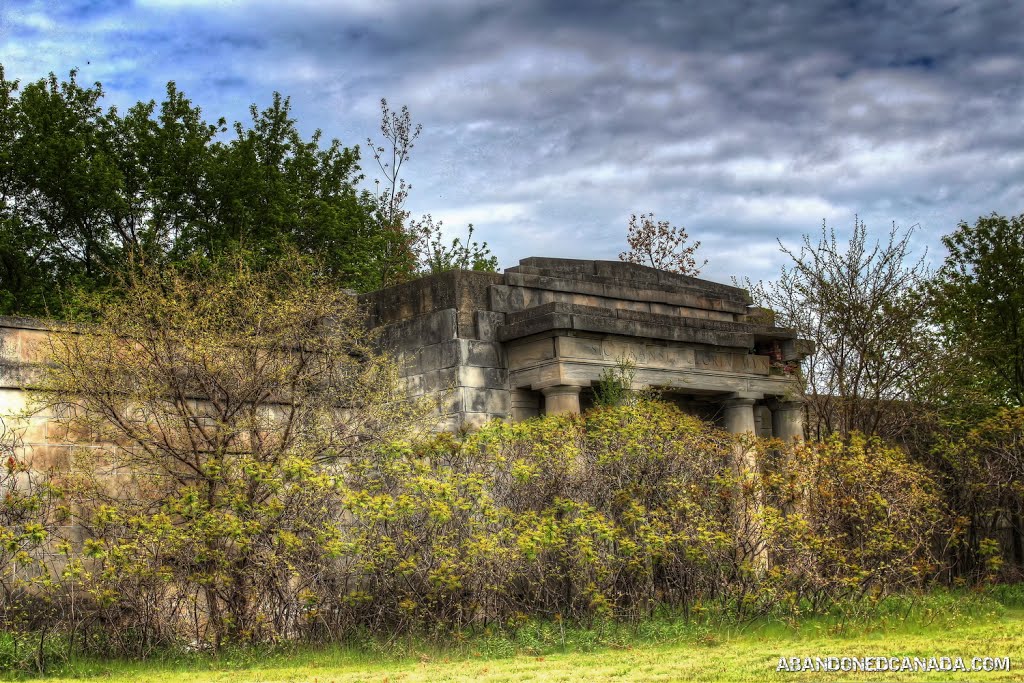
x=614 y=514
x=987 y=488
x=222 y=403
x=30 y=509
x=850 y=518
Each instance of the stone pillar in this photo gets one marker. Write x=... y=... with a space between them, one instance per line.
x=788 y=420
x=739 y=420
x=739 y=415
x=562 y=399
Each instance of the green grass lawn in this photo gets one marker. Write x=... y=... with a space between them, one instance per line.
x=665 y=653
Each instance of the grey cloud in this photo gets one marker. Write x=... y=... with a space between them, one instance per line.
x=744 y=121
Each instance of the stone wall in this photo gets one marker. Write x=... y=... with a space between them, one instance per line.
x=444 y=336
x=533 y=339
x=503 y=345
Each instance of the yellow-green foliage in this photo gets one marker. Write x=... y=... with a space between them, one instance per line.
x=563 y=516
x=850 y=517
x=216 y=406
x=624 y=509
x=612 y=514
x=986 y=472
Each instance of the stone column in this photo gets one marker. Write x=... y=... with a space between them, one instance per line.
x=788 y=427
x=739 y=415
x=561 y=399
x=739 y=420
x=787 y=420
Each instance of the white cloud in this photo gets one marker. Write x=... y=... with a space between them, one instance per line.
x=481 y=215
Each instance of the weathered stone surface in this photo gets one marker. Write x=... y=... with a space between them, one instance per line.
x=490 y=343
x=625 y=291
x=536 y=325
x=525 y=404
x=539 y=376
x=483 y=354
x=541 y=318
x=493 y=401
x=447 y=354
x=763 y=421
x=636 y=275
x=732 y=362
x=458 y=289
x=796 y=349
x=487 y=324
x=23 y=344
x=492 y=378
x=583 y=348
x=530 y=353
x=562 y=399
x=632 y=328
x=615 y=350
x=556 y=266
x=476 y=420
x=414 y=333
x=16 y=374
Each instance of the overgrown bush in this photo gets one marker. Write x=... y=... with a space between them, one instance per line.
x=851 y=518
x=564 y=517
x=214 y=427
x=985 y=472
x=614 y=514
x=620 y=511
x=29 y=513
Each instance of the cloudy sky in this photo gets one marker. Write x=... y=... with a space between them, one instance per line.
x=547 y=124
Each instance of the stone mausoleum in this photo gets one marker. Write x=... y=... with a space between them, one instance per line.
x=537 y=338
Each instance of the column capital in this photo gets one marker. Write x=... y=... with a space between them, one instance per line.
x=561 y=390
x=738 y=402
x=738 y=414
x=786 y=404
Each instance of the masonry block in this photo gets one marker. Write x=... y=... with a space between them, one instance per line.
x=437 y=356
x=493 y=401
x=483 y=354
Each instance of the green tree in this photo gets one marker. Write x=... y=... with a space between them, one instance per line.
x=87 y=192
x=976 y=300
x=977 y=297
x=272 y=190
x=162 y=161
x=58 y=184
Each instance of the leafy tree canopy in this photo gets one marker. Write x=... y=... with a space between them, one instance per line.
x=86 y=190
x=978 y=300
